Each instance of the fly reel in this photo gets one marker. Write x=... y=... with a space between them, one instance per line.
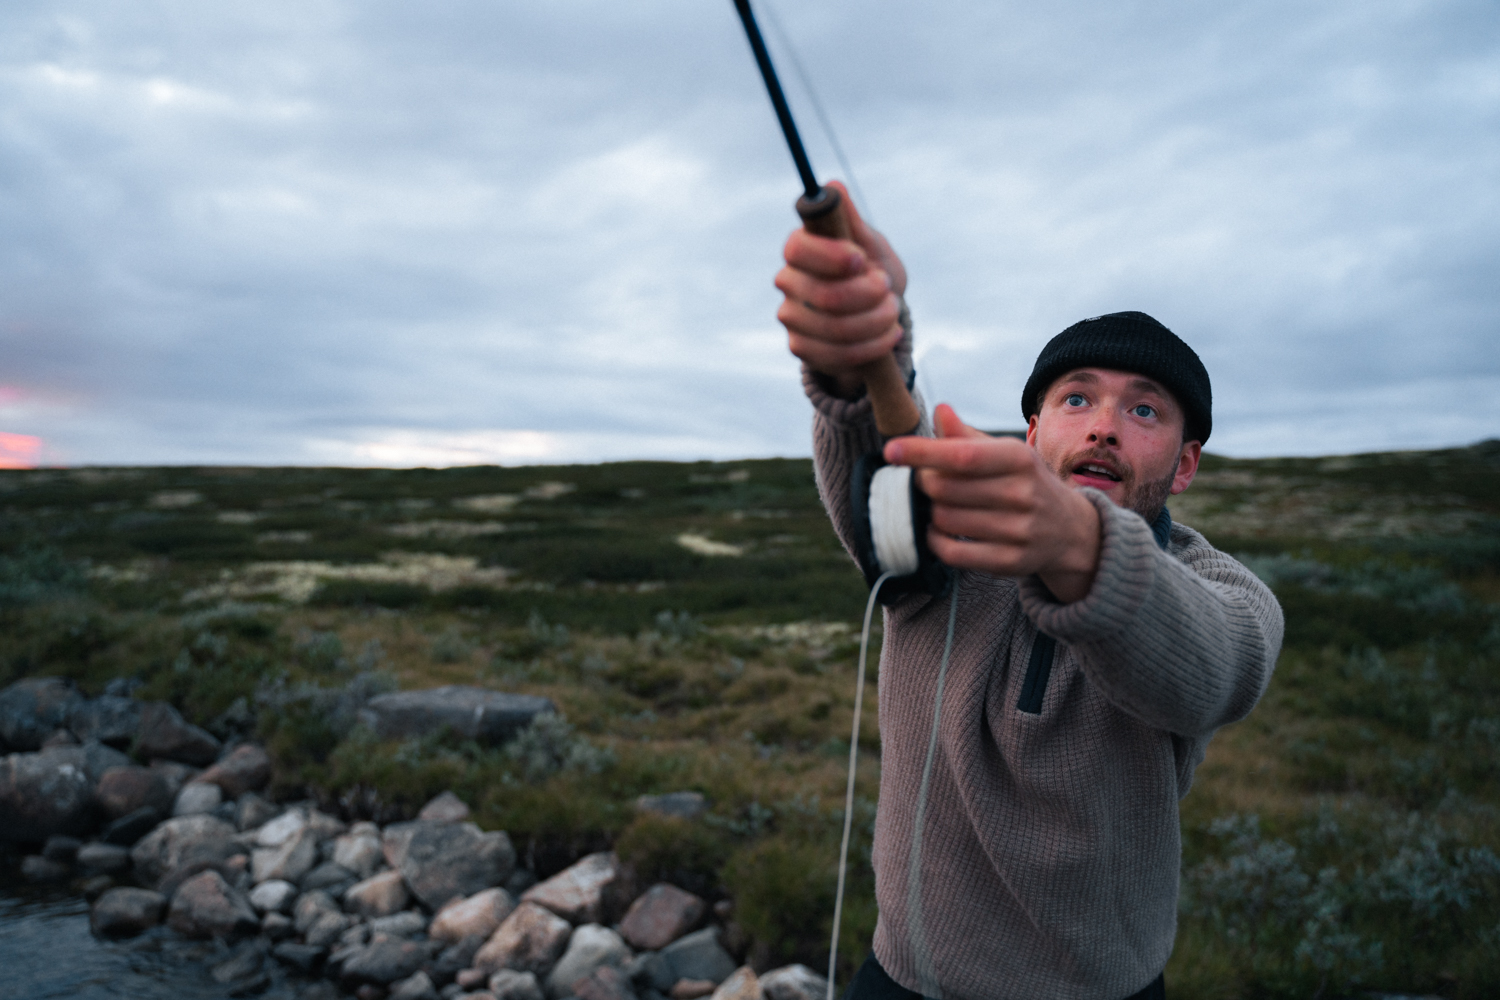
x=891 y=517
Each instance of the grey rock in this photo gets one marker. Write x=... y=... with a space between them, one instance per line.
x=33 y=708
x=529 y=940
x=98 y=758
x=793 y=982
x=252 y=811
x=125 y=789
x=302 y=957
x=650 y=972
x=276 y=926
x=246 y=768
x=195 y=798
x=381 y=962
x=418 y=986
x=590 y=947
x=661 y=915
x=359 y=850
x=444 y=860
x=328 y=928
x=378 y=896
x=742 y=984
x=445 y=808
x=207 y=906
x=231 y=869
x=699 y=956
x=284 y=827
x=61 y=738
x=126 y=912
x=335 y=878
x=174 y=773
x=585 y=892
x=682 y=805
x=35 y=868
x=478 y=915
x=407 y=923
x=45 y=793
x=309 y=907
x=109 y=859
x=454 y=959
x=164 y=733
x=325 y=826
x=508 y=984
x=181 y=841
x=289 y=861
x=273 y=896
x=451 y=991
x=520 y=880
x=246 y=961
x=472 y=713
x=110 y=719
x=131 y=827
x=95 y=886
x=61 y=848
x=605 y=983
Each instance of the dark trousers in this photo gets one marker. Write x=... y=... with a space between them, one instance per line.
x=872 y=983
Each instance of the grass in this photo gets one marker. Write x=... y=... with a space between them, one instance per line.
x=1342 y=838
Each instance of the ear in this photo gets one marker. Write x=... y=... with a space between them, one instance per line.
x=1031 y=429
x=1187 y=466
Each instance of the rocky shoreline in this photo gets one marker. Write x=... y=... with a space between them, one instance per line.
x=417 y=910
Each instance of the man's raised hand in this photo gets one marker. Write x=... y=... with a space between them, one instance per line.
x=996 y=507
x=842 y=298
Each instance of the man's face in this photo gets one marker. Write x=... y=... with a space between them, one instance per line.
x=1117 y=432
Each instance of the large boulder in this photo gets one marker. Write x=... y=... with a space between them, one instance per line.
x=246 y=768
x=206 y=906
x=588 y=892
x=442 y=860
x=126 y=912
x=477 y=916
x=183 y=841
x=122 y=790
x=590 y=947
x=381 y=962
x=660 y=916
x=110 y=719
x=33 y=709
x=469 y=712
x=46 y=793
x=529 y=940
x=164 y=733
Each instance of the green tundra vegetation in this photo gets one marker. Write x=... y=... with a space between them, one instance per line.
x=697 y=624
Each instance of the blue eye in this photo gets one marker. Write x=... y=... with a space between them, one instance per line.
x=1144 y=411
x=1074 y=399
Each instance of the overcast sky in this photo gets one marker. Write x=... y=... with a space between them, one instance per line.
x=379 y=233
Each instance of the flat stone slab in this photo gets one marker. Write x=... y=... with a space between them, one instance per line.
x=474 y=713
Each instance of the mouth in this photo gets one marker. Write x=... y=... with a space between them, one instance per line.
x=1097 y=472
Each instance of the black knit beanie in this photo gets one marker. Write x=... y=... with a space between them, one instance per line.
x=1128 y=342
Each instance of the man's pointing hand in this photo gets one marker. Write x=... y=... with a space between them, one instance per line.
x=996 y=507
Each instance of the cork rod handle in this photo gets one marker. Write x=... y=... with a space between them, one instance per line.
x=896 y=411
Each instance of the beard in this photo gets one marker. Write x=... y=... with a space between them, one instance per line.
x=1147 y=497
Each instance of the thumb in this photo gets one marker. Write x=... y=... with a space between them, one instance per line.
x=862 y=234
x=948 y=425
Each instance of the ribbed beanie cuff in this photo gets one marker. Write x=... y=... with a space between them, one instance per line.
x=1129 y=342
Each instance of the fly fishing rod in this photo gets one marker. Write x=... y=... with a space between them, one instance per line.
x=822 y=212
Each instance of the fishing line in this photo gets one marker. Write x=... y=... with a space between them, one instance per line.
x=785 y=41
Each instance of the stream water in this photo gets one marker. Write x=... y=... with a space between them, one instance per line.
x=46 y=950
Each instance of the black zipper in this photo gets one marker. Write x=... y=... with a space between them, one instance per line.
x=1037 y=672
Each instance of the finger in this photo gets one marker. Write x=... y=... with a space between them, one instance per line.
x=873 y=324
x=983 y=524
x=824 y=257
x=945 y=419
x=962 y=456
x=832 y=358
x=1002 y=492
x=990 y=557
x=856 y=294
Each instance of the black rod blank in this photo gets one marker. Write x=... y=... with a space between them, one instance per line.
x=778 y=100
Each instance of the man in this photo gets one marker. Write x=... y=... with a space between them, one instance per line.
x=1098 y=648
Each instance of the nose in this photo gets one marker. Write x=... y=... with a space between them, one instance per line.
x=1104 y=430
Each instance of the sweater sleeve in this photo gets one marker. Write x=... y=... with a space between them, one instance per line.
x=844 y=429
x=1185 y=642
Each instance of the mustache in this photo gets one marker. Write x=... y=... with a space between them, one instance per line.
x=1109 y=459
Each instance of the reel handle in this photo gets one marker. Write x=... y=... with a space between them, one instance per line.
x=896 y=412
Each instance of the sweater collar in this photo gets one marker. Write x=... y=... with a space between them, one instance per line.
x=1162 y=528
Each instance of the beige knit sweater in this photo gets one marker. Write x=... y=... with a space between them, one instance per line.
x=1050 y=850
